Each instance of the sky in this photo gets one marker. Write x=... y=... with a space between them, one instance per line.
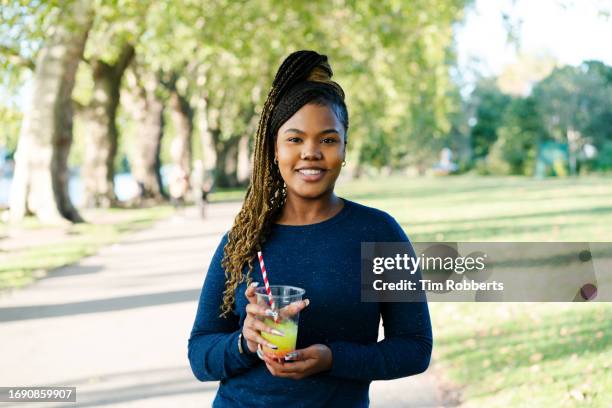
x=570 y=34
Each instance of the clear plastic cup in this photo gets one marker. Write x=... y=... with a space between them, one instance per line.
x=285 y=322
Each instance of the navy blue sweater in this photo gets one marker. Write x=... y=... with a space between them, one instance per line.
x=324 y=259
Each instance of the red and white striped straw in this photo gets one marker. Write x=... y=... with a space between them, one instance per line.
x=265 y=278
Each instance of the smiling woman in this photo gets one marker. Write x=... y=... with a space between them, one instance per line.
x=310 y=239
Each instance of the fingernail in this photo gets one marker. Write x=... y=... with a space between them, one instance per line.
x=260 y=353
x=290 y=356
x=277 y=332
x=271 y=313
x=272 y=346
x=254 y=284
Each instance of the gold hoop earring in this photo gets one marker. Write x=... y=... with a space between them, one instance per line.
x=276 y=161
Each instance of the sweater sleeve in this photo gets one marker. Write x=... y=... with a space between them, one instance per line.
x=406 y=348
x=213 y=345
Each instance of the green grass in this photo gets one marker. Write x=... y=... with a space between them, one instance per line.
x=511 y=354
x=60 y=246
x=493 y=209
x=227 y=194
x=529 y=354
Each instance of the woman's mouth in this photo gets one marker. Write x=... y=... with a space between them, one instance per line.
x=311 y=174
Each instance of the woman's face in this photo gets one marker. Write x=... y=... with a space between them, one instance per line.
x=310 y=149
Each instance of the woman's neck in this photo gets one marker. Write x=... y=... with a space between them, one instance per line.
x=302 y=211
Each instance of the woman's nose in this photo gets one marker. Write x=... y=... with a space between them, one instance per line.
x=311 y=151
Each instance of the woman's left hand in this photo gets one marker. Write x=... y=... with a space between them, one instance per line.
x=305 y=362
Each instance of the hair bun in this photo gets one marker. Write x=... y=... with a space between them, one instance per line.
x=323 y=73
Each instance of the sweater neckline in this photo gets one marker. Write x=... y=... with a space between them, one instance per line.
x=318 y=225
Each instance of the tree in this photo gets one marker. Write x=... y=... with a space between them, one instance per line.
x=574 y=103
x=518 y=78
x=146 y=103
x=391 y=59
x=109 y=51
x=489 y=105
x=398 y=77
x=520 y=132
x=101 y=129
x=40 y=184
x=182 y=117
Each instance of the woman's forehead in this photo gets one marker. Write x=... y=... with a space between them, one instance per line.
x=312 y=117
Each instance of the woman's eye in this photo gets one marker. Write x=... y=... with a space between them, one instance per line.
x=294 y=139
x=329 y=140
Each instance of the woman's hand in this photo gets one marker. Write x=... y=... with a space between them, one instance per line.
x=305 y=362
x=252 y=327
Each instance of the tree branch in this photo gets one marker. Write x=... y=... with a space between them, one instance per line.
x=125 y=58
x=16 y=58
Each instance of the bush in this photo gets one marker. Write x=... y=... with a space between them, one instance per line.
x=497 y=163
x=604 y=157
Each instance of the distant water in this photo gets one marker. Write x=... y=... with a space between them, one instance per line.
x=5 y=187
x=125 y=188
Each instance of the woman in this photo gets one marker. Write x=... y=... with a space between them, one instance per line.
x=310 y=238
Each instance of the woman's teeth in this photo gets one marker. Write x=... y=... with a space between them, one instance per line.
x=310 y=172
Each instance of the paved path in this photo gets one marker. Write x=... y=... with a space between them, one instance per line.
x=116 y=324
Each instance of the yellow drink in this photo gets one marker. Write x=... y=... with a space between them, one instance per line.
x=284 y=343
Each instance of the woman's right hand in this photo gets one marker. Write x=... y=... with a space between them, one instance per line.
x=253 y=323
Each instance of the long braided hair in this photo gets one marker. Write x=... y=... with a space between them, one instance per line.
x=304 y=76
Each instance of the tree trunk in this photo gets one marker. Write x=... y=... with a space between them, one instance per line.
x=180 y=148
x=209 y=153
x=101 y=130
x=245 y=156
x=40 y=185
x=354 y=166
x=226 y=168
x=149 y=117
